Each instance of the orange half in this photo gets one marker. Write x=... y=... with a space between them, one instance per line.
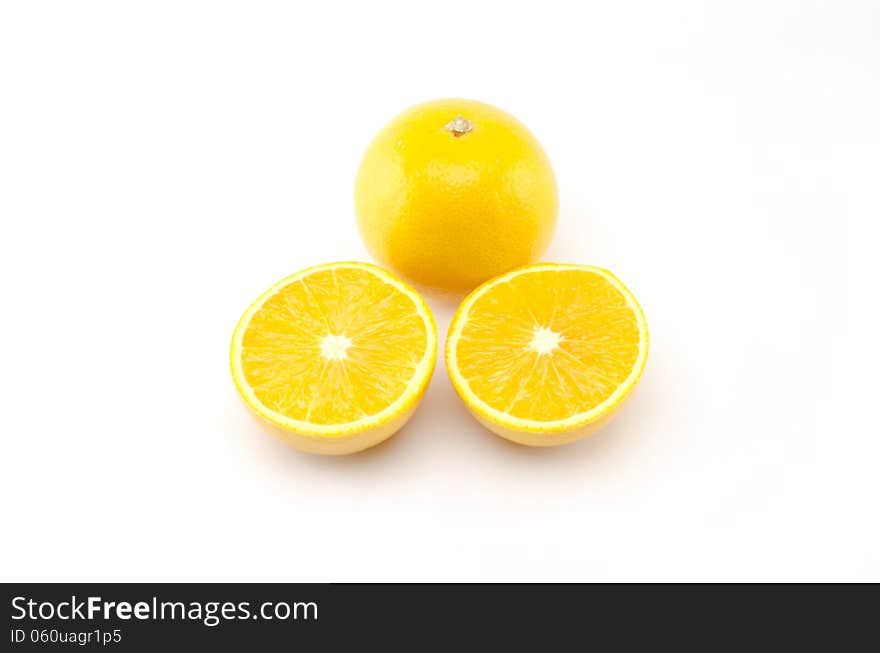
x=336 y=356
x=544 y=354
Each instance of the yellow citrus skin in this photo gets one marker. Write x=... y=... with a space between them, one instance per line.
x=454 y=192
x=335 y=357
x=547 y=354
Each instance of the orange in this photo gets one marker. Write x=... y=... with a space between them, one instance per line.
x=336 y=356
x=453 y=192
x=545 y=354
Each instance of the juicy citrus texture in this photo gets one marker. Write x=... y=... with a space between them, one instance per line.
x=337 y=356
x=453 y=192
x=543 y=354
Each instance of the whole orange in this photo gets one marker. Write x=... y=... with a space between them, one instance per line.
x=454 y=192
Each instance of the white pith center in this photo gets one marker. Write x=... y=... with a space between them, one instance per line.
x=544 y=340
x=333 y=346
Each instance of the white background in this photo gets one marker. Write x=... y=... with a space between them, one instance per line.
x=162 y=163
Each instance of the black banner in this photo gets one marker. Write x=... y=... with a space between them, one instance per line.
x=135 y=617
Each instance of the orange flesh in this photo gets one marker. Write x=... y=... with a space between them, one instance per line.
x=548 y=345
x=377 y=340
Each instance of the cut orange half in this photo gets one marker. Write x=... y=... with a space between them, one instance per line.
x=543 y=355
x=336 y=356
